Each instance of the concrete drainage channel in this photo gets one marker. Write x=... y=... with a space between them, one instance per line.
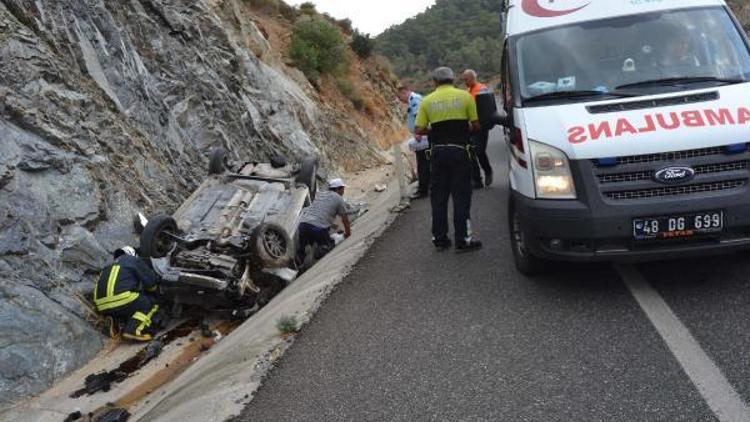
x=195 y=377
x=194 y=346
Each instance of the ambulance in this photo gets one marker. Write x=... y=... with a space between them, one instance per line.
x=628 y=128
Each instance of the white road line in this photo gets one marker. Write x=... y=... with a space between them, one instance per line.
x=721 y=397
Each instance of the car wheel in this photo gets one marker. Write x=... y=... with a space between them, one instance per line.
x=526 y=262
x=308 y=175
x=218 y=163
x=271 y=246
x=157 y=239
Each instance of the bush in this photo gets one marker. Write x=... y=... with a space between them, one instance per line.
x=318 y=48
x=346 y=25
x=308 y=9
x=363 y=44
x=287 y=325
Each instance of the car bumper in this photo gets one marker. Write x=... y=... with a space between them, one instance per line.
x=577 y=231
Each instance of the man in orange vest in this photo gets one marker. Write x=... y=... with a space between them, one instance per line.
x=480 y=138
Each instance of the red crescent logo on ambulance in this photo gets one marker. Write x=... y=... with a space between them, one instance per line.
x=533 y=8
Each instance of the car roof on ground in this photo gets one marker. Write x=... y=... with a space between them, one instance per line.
x=531 y=15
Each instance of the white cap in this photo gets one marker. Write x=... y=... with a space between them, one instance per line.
x=336 y=183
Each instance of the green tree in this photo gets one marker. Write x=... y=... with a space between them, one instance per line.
x=318 y=47
x=307 y=8
x=363 y=44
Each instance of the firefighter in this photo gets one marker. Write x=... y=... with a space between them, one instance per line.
x=480 y=138
x=449 y=116
x=124 y=292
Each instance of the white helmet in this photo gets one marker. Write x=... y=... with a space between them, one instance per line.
x=125 y=250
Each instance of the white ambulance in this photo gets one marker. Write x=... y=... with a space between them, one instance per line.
x=628 y=126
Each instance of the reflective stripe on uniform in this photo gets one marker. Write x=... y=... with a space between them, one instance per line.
x=113 y=274
x=145 y=319
x=116 y=301
x=111 y=300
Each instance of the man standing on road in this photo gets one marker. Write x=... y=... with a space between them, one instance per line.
x=420 y=144
x=317 y=219
x=480 y=138
x=449 y=115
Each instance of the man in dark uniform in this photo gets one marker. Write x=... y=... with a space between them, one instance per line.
x=123 y=292
x=480 y=138
x=449 y=116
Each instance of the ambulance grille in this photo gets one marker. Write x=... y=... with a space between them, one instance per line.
x=660 y=102
x=716 y=169
x=640 y=176
x=671 y=156
x=676 y=190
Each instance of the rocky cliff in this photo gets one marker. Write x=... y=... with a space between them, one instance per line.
x=110 y=107
x=741 y=8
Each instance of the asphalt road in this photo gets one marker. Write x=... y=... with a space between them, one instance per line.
x=416 y=335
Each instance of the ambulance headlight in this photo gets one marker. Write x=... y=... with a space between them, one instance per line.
x=552 y=176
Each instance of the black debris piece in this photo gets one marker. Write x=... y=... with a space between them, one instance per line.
x=104 y=380
x=75 y=416
x=206 y=329
x=113 y=415
x=100 y=382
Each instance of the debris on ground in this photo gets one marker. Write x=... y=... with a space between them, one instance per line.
x=206 y=329
x=100 y=382
x=381 y=188
x=114 y=414
x=104 y=380
x=74 y=416
x=401 y=207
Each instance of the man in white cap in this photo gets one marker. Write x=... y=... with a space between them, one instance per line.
x=317 y=219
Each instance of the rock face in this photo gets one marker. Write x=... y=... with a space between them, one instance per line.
x=110 y=107
x=741 y=8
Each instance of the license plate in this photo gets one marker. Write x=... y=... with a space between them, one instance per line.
x=678 y=226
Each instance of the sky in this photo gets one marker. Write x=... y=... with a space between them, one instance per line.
x=370 y=16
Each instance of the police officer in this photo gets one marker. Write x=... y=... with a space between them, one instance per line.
x=449 y=116
x=123 y=292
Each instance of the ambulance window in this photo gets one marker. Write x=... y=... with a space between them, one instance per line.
x=601 y=56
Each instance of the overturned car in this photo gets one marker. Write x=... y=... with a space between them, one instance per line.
x=230 y=247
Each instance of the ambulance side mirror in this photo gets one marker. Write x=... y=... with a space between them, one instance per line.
x=489 y=116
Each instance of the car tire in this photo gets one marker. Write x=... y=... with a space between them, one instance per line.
x=271 y=246
x=308 y=175
x=218 y=163
x=526 y=262
x=154 y=243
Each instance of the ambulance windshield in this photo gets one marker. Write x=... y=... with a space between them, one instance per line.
x=644 y=54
